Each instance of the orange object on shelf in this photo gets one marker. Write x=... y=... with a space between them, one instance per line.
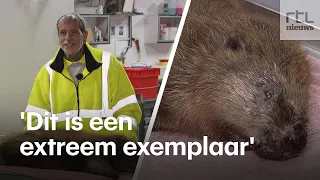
x=144 y=81
x=163 y=61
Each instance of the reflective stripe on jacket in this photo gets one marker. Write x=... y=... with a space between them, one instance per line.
x=104 y=91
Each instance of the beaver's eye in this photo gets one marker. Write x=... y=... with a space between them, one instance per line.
x=268 y=94
x=235 y=43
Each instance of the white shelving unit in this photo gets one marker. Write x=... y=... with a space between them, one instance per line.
x=104 y=24
x=101 y=22
x=161 y=28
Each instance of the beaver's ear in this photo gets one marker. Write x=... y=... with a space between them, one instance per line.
x=235 y=42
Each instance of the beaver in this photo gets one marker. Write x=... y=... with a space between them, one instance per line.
x=233 y=78
x=105 y=165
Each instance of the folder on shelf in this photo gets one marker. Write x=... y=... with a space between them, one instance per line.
x=128 y=6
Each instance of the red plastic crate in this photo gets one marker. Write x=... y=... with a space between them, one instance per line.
x=142 y=72
x=144 y=81
x=147 y=93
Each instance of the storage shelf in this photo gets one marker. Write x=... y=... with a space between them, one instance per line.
x=102 y=22
x=95 y=43
x=170 y=16
x=161 y=28
x=108 y=15
x=127 y=14
x=164 y=41
x=94 y=15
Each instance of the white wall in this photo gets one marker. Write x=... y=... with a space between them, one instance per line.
x=272 y=4
x=28 y=36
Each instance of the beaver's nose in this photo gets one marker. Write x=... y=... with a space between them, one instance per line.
x=288 y=147
x=294 y=144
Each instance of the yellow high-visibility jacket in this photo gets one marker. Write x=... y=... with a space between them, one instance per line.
x=104 y=91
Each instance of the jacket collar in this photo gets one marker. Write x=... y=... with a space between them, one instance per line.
x=91 y=63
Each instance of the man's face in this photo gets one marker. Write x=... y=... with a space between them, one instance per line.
x=71 y=38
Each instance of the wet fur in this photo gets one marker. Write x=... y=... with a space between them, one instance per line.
x=232 y=78
x=109 y=166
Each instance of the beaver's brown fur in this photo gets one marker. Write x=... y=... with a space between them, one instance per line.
x=109 y=165
x=232 y=78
